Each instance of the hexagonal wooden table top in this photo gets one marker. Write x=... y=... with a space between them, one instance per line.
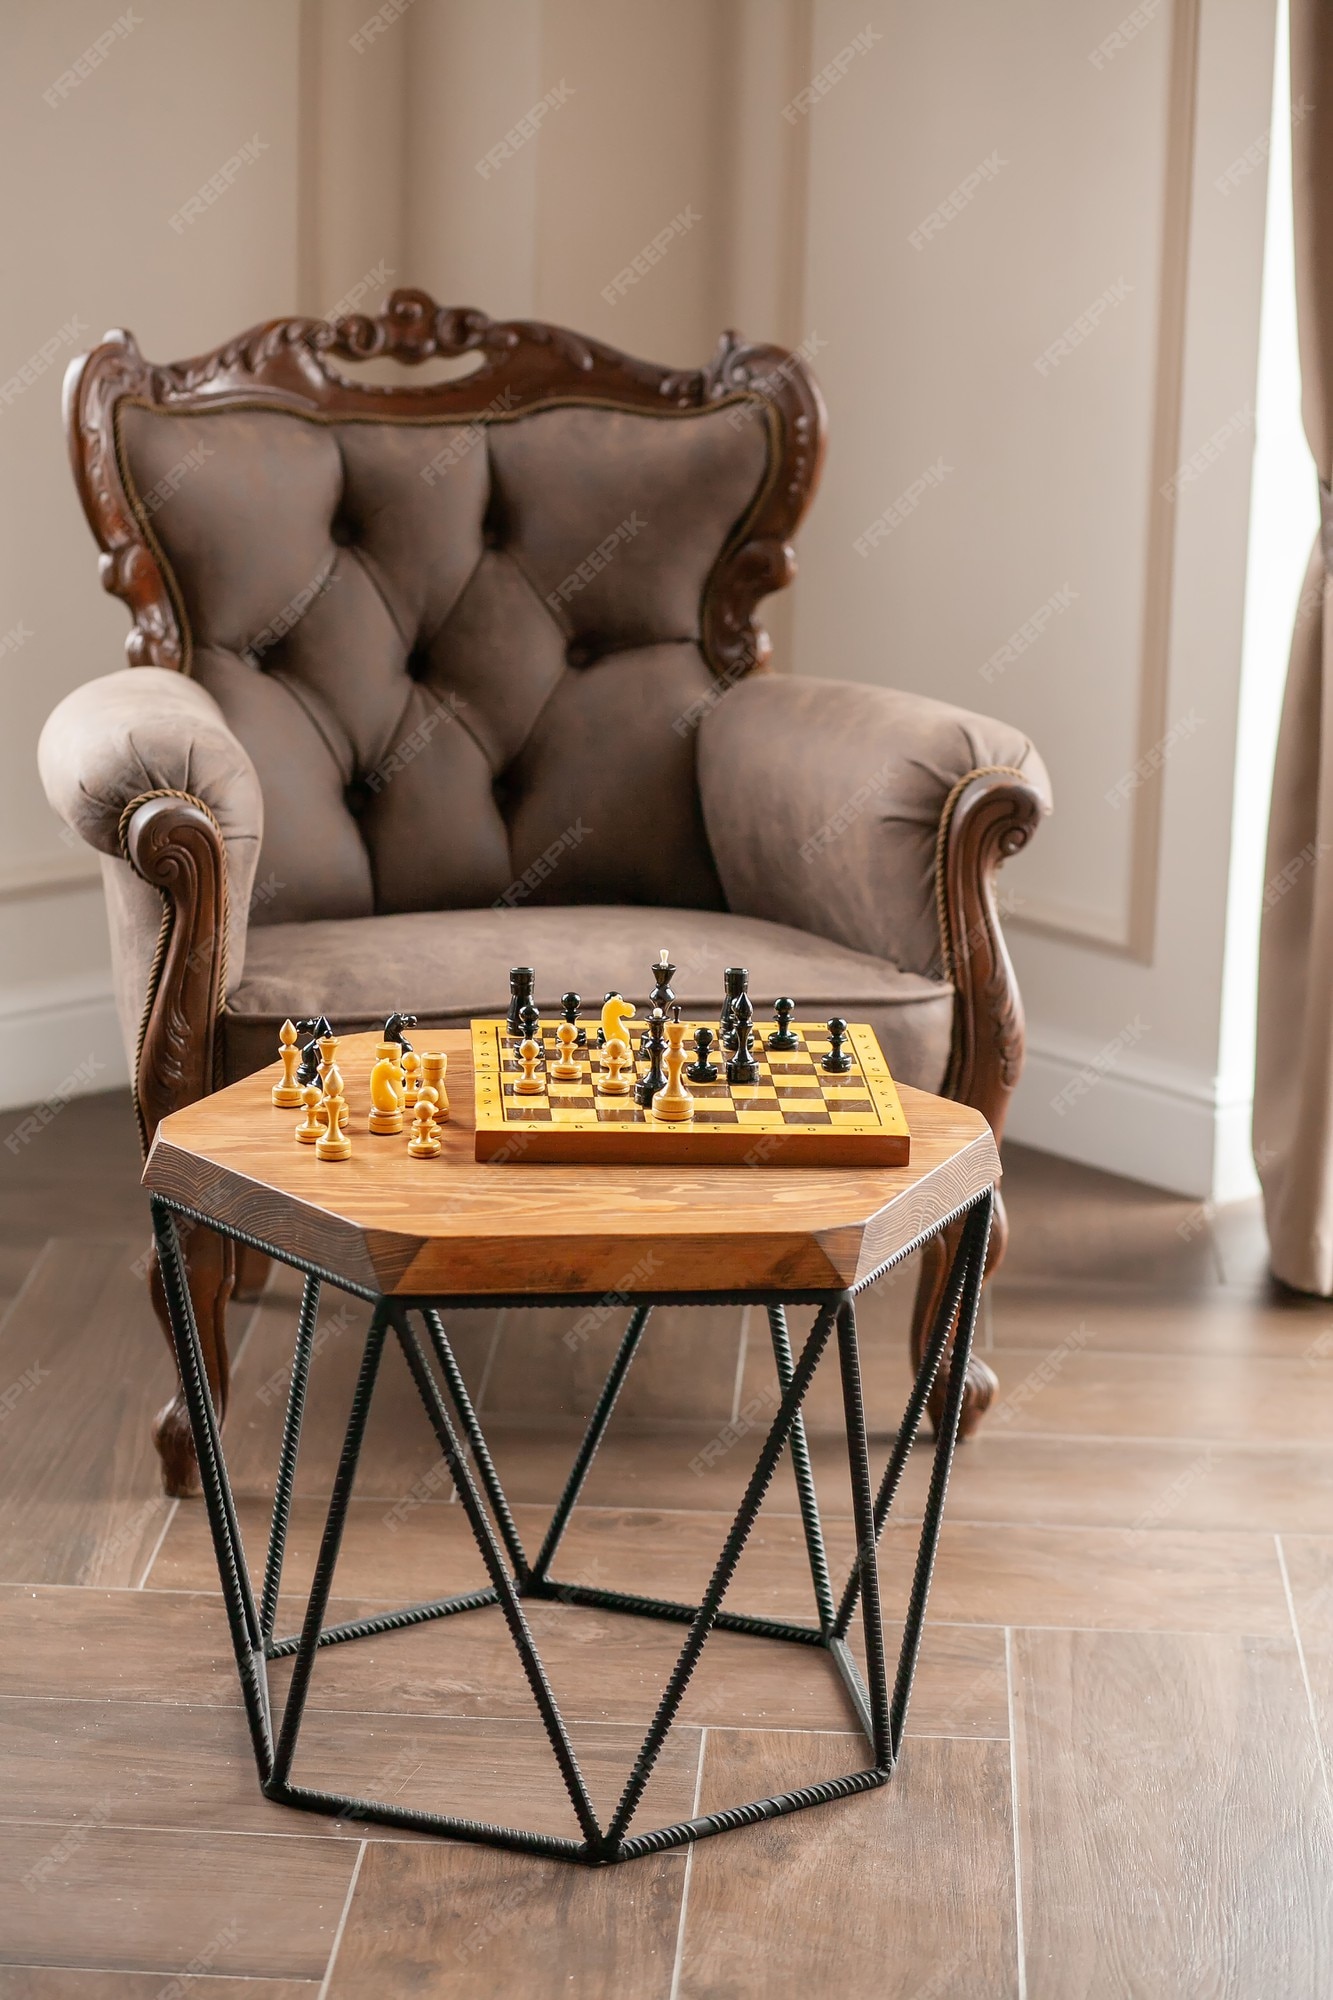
x=452 y=1226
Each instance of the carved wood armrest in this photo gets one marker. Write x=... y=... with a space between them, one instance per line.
x=173 y=841
x=988 y=816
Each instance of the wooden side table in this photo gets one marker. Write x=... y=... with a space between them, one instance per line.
x=420 y=1238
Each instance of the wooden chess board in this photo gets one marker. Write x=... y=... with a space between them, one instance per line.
x=795 y=1115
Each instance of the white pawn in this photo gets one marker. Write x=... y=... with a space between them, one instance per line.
x=529 y=1084
x=616 y=1061
x=567 y=1068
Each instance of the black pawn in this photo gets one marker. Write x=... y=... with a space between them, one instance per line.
x=783 y=1038
x=570 y=1004
x=531 y=1022
x=742 y=1068
x=837 y=1062
x=648 y=1086
x=701 y=1070
x=520 y=992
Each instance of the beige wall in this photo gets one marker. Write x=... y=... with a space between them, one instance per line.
x=93 y=181
x=1101 y=194
x=1102 y=186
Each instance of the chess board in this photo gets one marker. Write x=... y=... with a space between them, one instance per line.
x=795 y=1115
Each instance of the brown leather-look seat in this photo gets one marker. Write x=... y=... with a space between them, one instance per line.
x=429 y=681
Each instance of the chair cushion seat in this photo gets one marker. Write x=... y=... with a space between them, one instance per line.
x=445 y=966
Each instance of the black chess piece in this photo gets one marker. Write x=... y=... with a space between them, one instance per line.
x=783 y=1038
x=521 y=982
x=742 y=1068
x=837 y=1062
x=317 y=1026
x=662 y=998
x=531 y=1022
x=736 y=981
x=395 y=1030
x=570 y=1004
x=701 y=1070
x=646 y=1089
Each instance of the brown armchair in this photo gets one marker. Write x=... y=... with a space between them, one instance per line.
x=426 y=682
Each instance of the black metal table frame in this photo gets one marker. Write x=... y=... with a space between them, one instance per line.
x=513 y=1577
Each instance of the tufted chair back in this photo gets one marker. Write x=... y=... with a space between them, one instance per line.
x=464 y=631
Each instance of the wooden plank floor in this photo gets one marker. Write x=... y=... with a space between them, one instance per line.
x=1116 y=1779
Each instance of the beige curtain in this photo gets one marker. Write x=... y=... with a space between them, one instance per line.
x=1293 y=1104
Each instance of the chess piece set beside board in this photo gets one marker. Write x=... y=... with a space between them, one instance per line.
x=805 y=1094
x=406 y=1089
x=702 y=1092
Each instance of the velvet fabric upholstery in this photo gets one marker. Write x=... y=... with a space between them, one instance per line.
x=447 y=647
x=822 y=801
x=447 y=967
x=119 y=739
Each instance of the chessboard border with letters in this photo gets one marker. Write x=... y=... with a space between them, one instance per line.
x=615 y=1132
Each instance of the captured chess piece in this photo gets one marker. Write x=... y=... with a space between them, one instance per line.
x=287 y=1093
x=521 y=981
x=782 y=1038
x=654 y=1048
x=742 y=1068
x=566 y=1068
x=425 y=1141
x=386 y=1089
x=837 y=1062
x=569 y=1007
x=411 y=1078
x=673 y=1102
x=701 y=1070
x=531 y=1083
x=735 y=981
x=395 y=1030
x=328 y=1057
x=333 y=1143
x=433 y=1069
x=317 y=1026
x=312 y=1127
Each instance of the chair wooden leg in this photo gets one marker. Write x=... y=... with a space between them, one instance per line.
x=252 y=1269
x=210 y=1265
x=936 y=1257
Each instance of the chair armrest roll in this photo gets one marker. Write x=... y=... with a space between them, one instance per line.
x=142 y=765
x=825 y=804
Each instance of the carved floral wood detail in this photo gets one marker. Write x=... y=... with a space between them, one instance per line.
x=290 y=364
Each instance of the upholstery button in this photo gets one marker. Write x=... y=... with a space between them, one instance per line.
x=578 y=653
x=342 y=533
x=490 y=538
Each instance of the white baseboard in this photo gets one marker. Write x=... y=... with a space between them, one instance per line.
x=1152 y=1122
x=59 y=1041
